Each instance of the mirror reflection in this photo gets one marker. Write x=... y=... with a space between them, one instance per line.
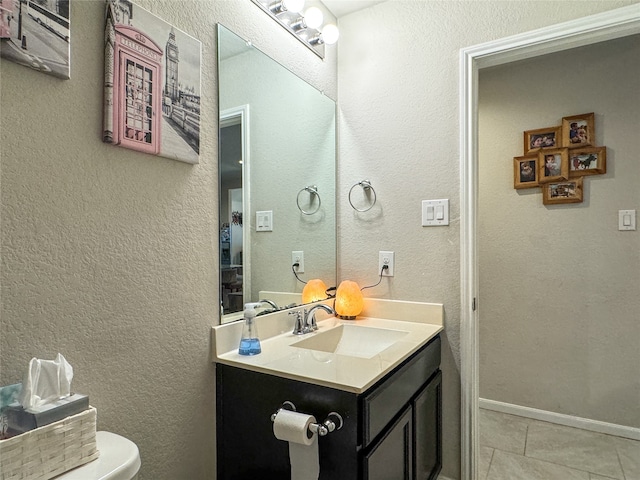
x=277 y=178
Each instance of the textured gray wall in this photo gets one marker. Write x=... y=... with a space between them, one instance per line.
x=559 y=314
x=398 y=127
x=110 y=256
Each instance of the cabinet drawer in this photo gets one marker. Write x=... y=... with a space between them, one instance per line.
x=387 y=399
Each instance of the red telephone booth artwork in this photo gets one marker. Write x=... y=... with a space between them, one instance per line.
x=137 y=99
x=151 y=84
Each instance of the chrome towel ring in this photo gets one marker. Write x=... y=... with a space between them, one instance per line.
x=313 y=192
x=366 y=186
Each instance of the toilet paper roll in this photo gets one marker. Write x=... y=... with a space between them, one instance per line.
x=292 y=427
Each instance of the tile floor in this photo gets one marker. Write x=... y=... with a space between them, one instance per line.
x=518 y=448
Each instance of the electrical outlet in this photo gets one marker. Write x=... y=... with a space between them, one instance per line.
x=386 y=258
x=297 y=256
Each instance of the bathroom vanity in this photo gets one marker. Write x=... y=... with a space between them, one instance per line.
x=390 y=400
x=391 y=431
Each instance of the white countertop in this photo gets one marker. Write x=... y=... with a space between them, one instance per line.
x=344 y=372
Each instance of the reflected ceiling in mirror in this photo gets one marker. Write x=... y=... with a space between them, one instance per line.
x=277 y=140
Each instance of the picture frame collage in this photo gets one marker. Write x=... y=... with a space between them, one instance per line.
x=556 y=159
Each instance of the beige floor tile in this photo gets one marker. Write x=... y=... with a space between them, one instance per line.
x=575 y=448
x=485 y=460
x=502 y=431
x=593 y=476
x=508 y=466
x=629 y=455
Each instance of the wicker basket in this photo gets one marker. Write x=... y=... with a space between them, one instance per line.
x=51 y=450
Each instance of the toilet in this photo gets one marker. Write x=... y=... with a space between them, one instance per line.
x=119 y=460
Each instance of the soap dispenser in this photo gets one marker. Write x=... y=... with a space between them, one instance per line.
x=250 y=343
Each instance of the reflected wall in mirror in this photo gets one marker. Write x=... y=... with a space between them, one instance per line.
x=277 y=136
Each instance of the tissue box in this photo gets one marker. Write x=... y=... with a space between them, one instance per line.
x=49 y=451
x=20 y=420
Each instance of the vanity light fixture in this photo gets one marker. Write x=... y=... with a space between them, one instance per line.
x=305 y=27
x=314 y=290
x=349 y=300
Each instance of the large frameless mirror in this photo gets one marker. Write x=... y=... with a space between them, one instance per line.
x=277 y=163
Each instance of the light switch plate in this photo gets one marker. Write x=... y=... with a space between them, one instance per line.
x=435 y=213
x=264 y=221
x=626 y=220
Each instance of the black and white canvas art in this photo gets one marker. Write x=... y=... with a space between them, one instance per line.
x=36 y=34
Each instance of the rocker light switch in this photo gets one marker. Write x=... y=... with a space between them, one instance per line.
x=264 y=221
x=435 y=213
x=626 y=220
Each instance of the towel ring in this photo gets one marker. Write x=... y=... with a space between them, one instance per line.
x=313 y=190
x=366 y=186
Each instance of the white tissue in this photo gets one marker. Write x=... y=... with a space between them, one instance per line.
x=46 y=381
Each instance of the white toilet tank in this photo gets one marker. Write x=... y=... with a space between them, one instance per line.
x=119 y=460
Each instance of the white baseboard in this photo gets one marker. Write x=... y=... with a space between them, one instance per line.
x=561 y=419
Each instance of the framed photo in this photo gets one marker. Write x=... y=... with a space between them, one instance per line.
x=553 y=165
x=525 y=172
x=587 y=161
x=541 y=138
x=569 y=191
x=578 y=130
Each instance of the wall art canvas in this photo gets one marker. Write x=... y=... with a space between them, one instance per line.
x=36 y=33
x=151 y=84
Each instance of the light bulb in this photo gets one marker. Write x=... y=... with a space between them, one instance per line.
x=294 y=6
x=330 y=34
x=313 y=17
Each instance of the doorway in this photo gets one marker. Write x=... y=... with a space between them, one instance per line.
x=589 y=30
x=234 y=167
x=558 y=326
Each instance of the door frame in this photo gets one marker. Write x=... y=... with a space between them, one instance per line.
x=240 y=116
x=597 y=28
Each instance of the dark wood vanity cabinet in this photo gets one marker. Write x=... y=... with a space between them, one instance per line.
x=392 y=431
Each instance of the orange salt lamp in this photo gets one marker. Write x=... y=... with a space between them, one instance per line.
x=349 y=300
x=313 y=291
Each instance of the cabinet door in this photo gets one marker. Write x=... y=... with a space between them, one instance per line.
x=392 y=457
x=427 y=411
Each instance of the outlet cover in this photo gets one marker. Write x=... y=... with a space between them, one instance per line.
x=388 y=259
x=297 y=256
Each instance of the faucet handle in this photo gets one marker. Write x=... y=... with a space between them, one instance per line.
x=299 y=325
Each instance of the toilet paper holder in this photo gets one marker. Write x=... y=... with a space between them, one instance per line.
x=333 y=421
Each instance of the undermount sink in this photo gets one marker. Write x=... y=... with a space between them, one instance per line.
x=353 y=341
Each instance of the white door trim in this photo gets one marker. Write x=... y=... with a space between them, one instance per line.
x=584 y=31
x=228 y=117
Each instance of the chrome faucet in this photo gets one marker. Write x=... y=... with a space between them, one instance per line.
x=270 y=302
x=310 y=324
